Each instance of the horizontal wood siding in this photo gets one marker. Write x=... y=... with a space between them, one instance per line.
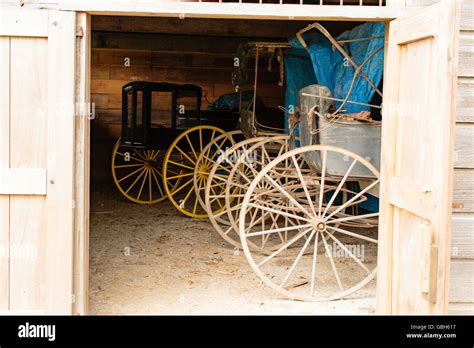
x=461 y=289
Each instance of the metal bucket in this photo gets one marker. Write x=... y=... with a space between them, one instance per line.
x=361 y=138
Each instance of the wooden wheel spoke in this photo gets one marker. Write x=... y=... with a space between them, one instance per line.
x=156 y=155
x=150 y=191
x=230 y=228
x=212 y=137
x=168 y=171
x=185 y=154
x=297 y=259
x=135 y=152
x=356 y=196
x=283 y=247
x=157 y=172
x=191 y=147
x=143 y=183
x=254 y=205
x=352 y=234
x=331 y=260
x=343 y=247
x=220 y=177
x=216 y=184
x=217 y=150
x=243 y=175
x=303 y=183
x=179 y=176
x=323 y=176
x=181 y=165
x=286 y=194
x=200 y=140
x=134 y=158
x=132 y=173
x=277 y=230
x=215 y=195
x=157 y=183
x=136 y=180
x=181 y=187
x=353 y=217
x=339 y=187
x=313 y=267
x=220 y=213
x=129 y=165
x=191 y=190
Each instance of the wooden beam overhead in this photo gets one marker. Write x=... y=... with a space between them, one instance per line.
x=205 y=26
x=224 y=10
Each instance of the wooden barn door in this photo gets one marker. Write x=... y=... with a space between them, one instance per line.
x=417 y=165
x=37 y=60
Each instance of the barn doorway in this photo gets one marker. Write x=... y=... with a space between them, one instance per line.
x=151 y=258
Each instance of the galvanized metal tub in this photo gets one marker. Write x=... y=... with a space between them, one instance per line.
x=362 y=138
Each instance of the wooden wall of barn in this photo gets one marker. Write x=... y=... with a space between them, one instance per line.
x=461 y=287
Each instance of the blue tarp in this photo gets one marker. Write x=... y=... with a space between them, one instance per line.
x=299 y=73
x=334 y=72
x=230 y=101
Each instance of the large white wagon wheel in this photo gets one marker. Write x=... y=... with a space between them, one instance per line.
x=208 y=157
x=214 y=197
x=291 y=269
x=249 y=164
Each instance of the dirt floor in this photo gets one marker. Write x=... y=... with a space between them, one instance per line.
x=153 y=260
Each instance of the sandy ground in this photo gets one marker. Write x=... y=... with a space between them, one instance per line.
x=153 y=260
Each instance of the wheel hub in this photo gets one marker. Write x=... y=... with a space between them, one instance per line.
x=319 y=225
x=203 y=168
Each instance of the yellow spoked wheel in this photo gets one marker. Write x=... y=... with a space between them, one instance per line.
x=179 y=164
x=138 y=174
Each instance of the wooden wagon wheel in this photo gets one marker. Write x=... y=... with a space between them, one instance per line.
x=257 y=156
x=304 y=198
x=137 y=174
x=208 y=157
x=179 y=163
x=214 y=190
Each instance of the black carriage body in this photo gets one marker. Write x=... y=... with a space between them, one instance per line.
x=138 y=130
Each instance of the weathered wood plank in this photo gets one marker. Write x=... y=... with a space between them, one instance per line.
x=464 y=146
x=23 y=23
x=82 y=167
x=462 y=242
x=461 y=282
x=200 y=26
x=4 y=163
x=28 y=134
x=59 y=242
x=466 y=54
x=23 y=181
x=467 y=9
x=461 y=308
x=163 y=42
x=467 y=15
x=465 y=100
x=231 y=10
x=463 y=191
